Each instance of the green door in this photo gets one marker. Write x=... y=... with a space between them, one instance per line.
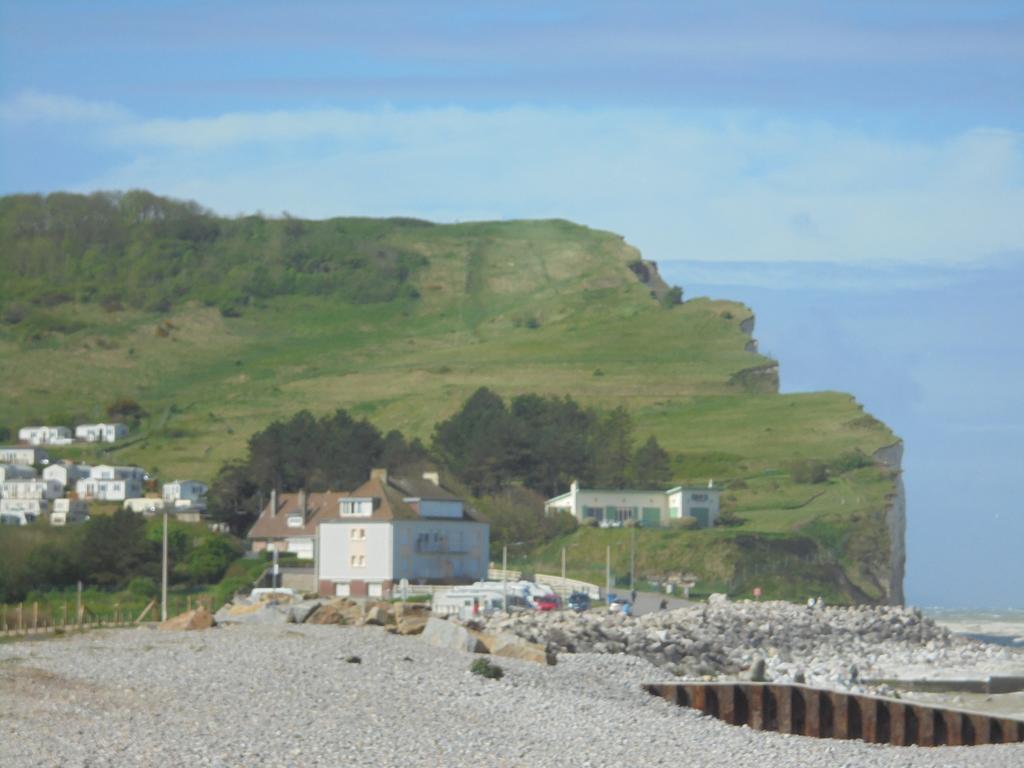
x=703 y=518
x=652 y=517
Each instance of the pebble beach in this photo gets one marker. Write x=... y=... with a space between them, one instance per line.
x=305 y=695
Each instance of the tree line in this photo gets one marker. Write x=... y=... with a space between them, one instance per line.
x=143 y=251
x=488 y=446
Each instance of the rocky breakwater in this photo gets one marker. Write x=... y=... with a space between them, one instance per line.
x=771 y=641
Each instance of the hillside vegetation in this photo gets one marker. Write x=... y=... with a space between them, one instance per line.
x=217 y=327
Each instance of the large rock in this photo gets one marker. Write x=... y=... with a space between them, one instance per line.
x=410 y=618
x=379 y=614
x=255 y=612
x=340 y=611
x=300 y=612
x=512 y=646
x=442 y=633
x=199 y=618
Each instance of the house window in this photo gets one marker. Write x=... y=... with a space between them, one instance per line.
x=355 y=507
x=357 y=561
x=358 y=534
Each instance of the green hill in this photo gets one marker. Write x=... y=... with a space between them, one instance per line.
x=218 y=326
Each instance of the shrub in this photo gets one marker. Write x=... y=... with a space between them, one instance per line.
x=589 y=522
x=683 y=523
x=142 y=586
x=808 y=471
x=484 y=668
x=849 y=461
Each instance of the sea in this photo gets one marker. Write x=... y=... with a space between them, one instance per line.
x=997 y=626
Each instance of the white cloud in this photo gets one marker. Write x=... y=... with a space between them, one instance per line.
x=36 y=107
x=707 y=186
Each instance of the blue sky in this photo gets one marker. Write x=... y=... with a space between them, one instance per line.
x=864 y=157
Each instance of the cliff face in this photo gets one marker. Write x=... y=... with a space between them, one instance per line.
x=896 y=518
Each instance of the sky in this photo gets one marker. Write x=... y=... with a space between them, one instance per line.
x=853 y=170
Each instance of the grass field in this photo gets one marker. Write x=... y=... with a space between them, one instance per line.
x=541 y=306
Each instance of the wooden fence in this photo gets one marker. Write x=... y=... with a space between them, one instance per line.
x=32 y=619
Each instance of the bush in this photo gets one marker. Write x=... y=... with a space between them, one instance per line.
x=808 y=471
x=849 y=461
x=589 y=522
x=484 y=668
x=142 y=586
x=683 y=523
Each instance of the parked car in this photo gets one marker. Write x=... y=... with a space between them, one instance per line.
x=547 y=602
x=579 y=602
x=620 y=605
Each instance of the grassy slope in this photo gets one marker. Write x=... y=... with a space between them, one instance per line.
x=542 y=306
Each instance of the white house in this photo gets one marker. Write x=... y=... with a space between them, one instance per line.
x=67 y=474
x=391 y=529
x=45 y=435
x=31 y=488
x=22 y=511
x=186 y=493
x=69 y=511
x=109 y=483
x=26 y=457
x=146 y=505
x=16 y=472
x=101 y=433
x=289 y=520
x=653 y=508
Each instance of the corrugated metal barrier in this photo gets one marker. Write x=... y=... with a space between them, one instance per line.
x=808 y=711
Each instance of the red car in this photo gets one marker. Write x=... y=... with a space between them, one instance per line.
x=547 y=603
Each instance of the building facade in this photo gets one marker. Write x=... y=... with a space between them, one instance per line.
x=45 y=435
x=651 y=508
x=101 y=433
x=26 y=457
x=390 y=529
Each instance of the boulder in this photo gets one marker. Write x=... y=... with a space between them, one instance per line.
x=300 y=612
x=199 y=618
x=379 y=614
x=257 y=613
x=442 y=633
x=410 y=619
x=340 y=611
x=512 y=646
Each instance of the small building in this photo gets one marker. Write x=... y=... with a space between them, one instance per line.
x=66 y=473
x=186 y=493
x=145 y=505
x=68 y=512
x=101 y=433
x=22 y=511
x=110 y=483
x=651 y=508
x=45 y=435
x=391 y=529
x=31 y=488
x=16 y=472
x=26 y=457
x=288 y=522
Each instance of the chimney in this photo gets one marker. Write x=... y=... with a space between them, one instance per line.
x=273 y=502
x=433 y=477
x=380 y=474
x=302 y=503
x=575 y=486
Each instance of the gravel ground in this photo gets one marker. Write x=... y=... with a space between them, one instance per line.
x=286 y=696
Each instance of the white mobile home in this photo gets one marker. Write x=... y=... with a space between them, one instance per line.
x=69 y=511
x=192 y=492
x=34 y=488
x=45 y=435
x=22 y=511
x=100 y=433
x=16 y=472
x=67 y=474
x=26 y=457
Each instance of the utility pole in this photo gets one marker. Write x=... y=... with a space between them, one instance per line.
x=632 y=559
x=504 y=578
x=607 y=571
x=163 y=574
x=564 y=588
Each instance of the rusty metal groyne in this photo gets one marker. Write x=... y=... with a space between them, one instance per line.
x=835 y=715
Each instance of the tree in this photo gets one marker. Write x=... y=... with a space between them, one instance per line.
x=611 y=449
x=477 y=442
x=125 y=409
x=115 y=548
x=652 y=467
